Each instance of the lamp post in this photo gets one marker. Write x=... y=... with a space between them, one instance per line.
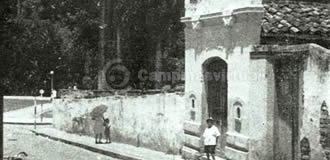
x=51 y=81
x=41 y=110
x=35 y=113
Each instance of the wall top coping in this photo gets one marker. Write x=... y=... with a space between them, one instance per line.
x=104 y=94
x=28 y=98
x=244 y=10
x=309 y=49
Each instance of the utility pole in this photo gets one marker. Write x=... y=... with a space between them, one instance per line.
x=35 y=112
x=102 y=27
x=41 y=107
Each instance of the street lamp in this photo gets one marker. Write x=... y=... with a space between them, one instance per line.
x=41 y=95
x=51 y=80
x=41 y=91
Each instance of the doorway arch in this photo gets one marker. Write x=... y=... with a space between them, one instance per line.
x=215 y=72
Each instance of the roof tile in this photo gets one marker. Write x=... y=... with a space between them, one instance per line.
x=272 y=10
x=287 y=10
x=294 y=29
x=296 y=18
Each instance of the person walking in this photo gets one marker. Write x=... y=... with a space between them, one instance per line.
x=210 y=137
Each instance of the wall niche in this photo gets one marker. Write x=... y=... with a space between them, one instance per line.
x=305 y=149
x=325 y=130
x=238 y=116
x=192 y=100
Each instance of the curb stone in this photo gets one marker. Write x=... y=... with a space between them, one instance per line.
x=23 y=123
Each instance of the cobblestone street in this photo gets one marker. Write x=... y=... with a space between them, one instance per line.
x=19 y=138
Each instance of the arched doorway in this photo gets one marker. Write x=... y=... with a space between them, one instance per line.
x=216 y=87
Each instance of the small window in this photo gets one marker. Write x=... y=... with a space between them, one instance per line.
x=193 y=103
x=238 y=115
x=238 y=106
x=192 y=99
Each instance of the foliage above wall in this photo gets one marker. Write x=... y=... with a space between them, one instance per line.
x=39 y=36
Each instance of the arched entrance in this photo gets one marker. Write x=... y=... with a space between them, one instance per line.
x=216 y=87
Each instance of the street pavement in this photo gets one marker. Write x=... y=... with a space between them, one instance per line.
x=57 y=145
x=18 y=138
x=117 y=150
x=53 y=144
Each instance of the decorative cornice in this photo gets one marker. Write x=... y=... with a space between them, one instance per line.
x=278 y=51
x=244 y=10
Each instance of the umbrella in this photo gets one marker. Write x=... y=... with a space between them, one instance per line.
x=98 y=111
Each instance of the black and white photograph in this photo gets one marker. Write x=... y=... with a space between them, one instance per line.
x=165 y=79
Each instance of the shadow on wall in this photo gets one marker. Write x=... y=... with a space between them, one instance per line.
x=82 y=125
x=152 y=121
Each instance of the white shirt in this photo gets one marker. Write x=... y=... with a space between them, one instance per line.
x=210 y=135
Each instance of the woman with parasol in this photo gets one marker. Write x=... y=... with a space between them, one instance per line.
x=97 y=116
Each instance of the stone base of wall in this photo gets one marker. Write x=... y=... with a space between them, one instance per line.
x=235 y=154
x=238 y=141
x=190 y=154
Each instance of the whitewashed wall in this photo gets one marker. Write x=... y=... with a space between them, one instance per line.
x=316 y=90
x=152 y=121
x=213 y=6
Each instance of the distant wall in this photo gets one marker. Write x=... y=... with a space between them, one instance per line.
x=11 y=103
x=152 y=121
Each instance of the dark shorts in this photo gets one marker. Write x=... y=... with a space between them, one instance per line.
x=209 y=149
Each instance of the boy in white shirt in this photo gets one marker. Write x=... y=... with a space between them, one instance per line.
x=210 y=137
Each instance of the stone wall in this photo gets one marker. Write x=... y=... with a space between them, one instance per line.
x=325 y=130
x=151 y=121
x=316 y=92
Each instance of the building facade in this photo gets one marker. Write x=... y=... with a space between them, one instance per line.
x=256 y=69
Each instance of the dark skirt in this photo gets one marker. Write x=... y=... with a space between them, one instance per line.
x=209 y=149
x=98 y=126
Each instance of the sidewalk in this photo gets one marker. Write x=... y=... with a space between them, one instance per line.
x=115 y=150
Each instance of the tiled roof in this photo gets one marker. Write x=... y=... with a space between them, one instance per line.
x=297 y=18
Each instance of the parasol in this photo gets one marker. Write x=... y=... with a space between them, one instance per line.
x=98 y=111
